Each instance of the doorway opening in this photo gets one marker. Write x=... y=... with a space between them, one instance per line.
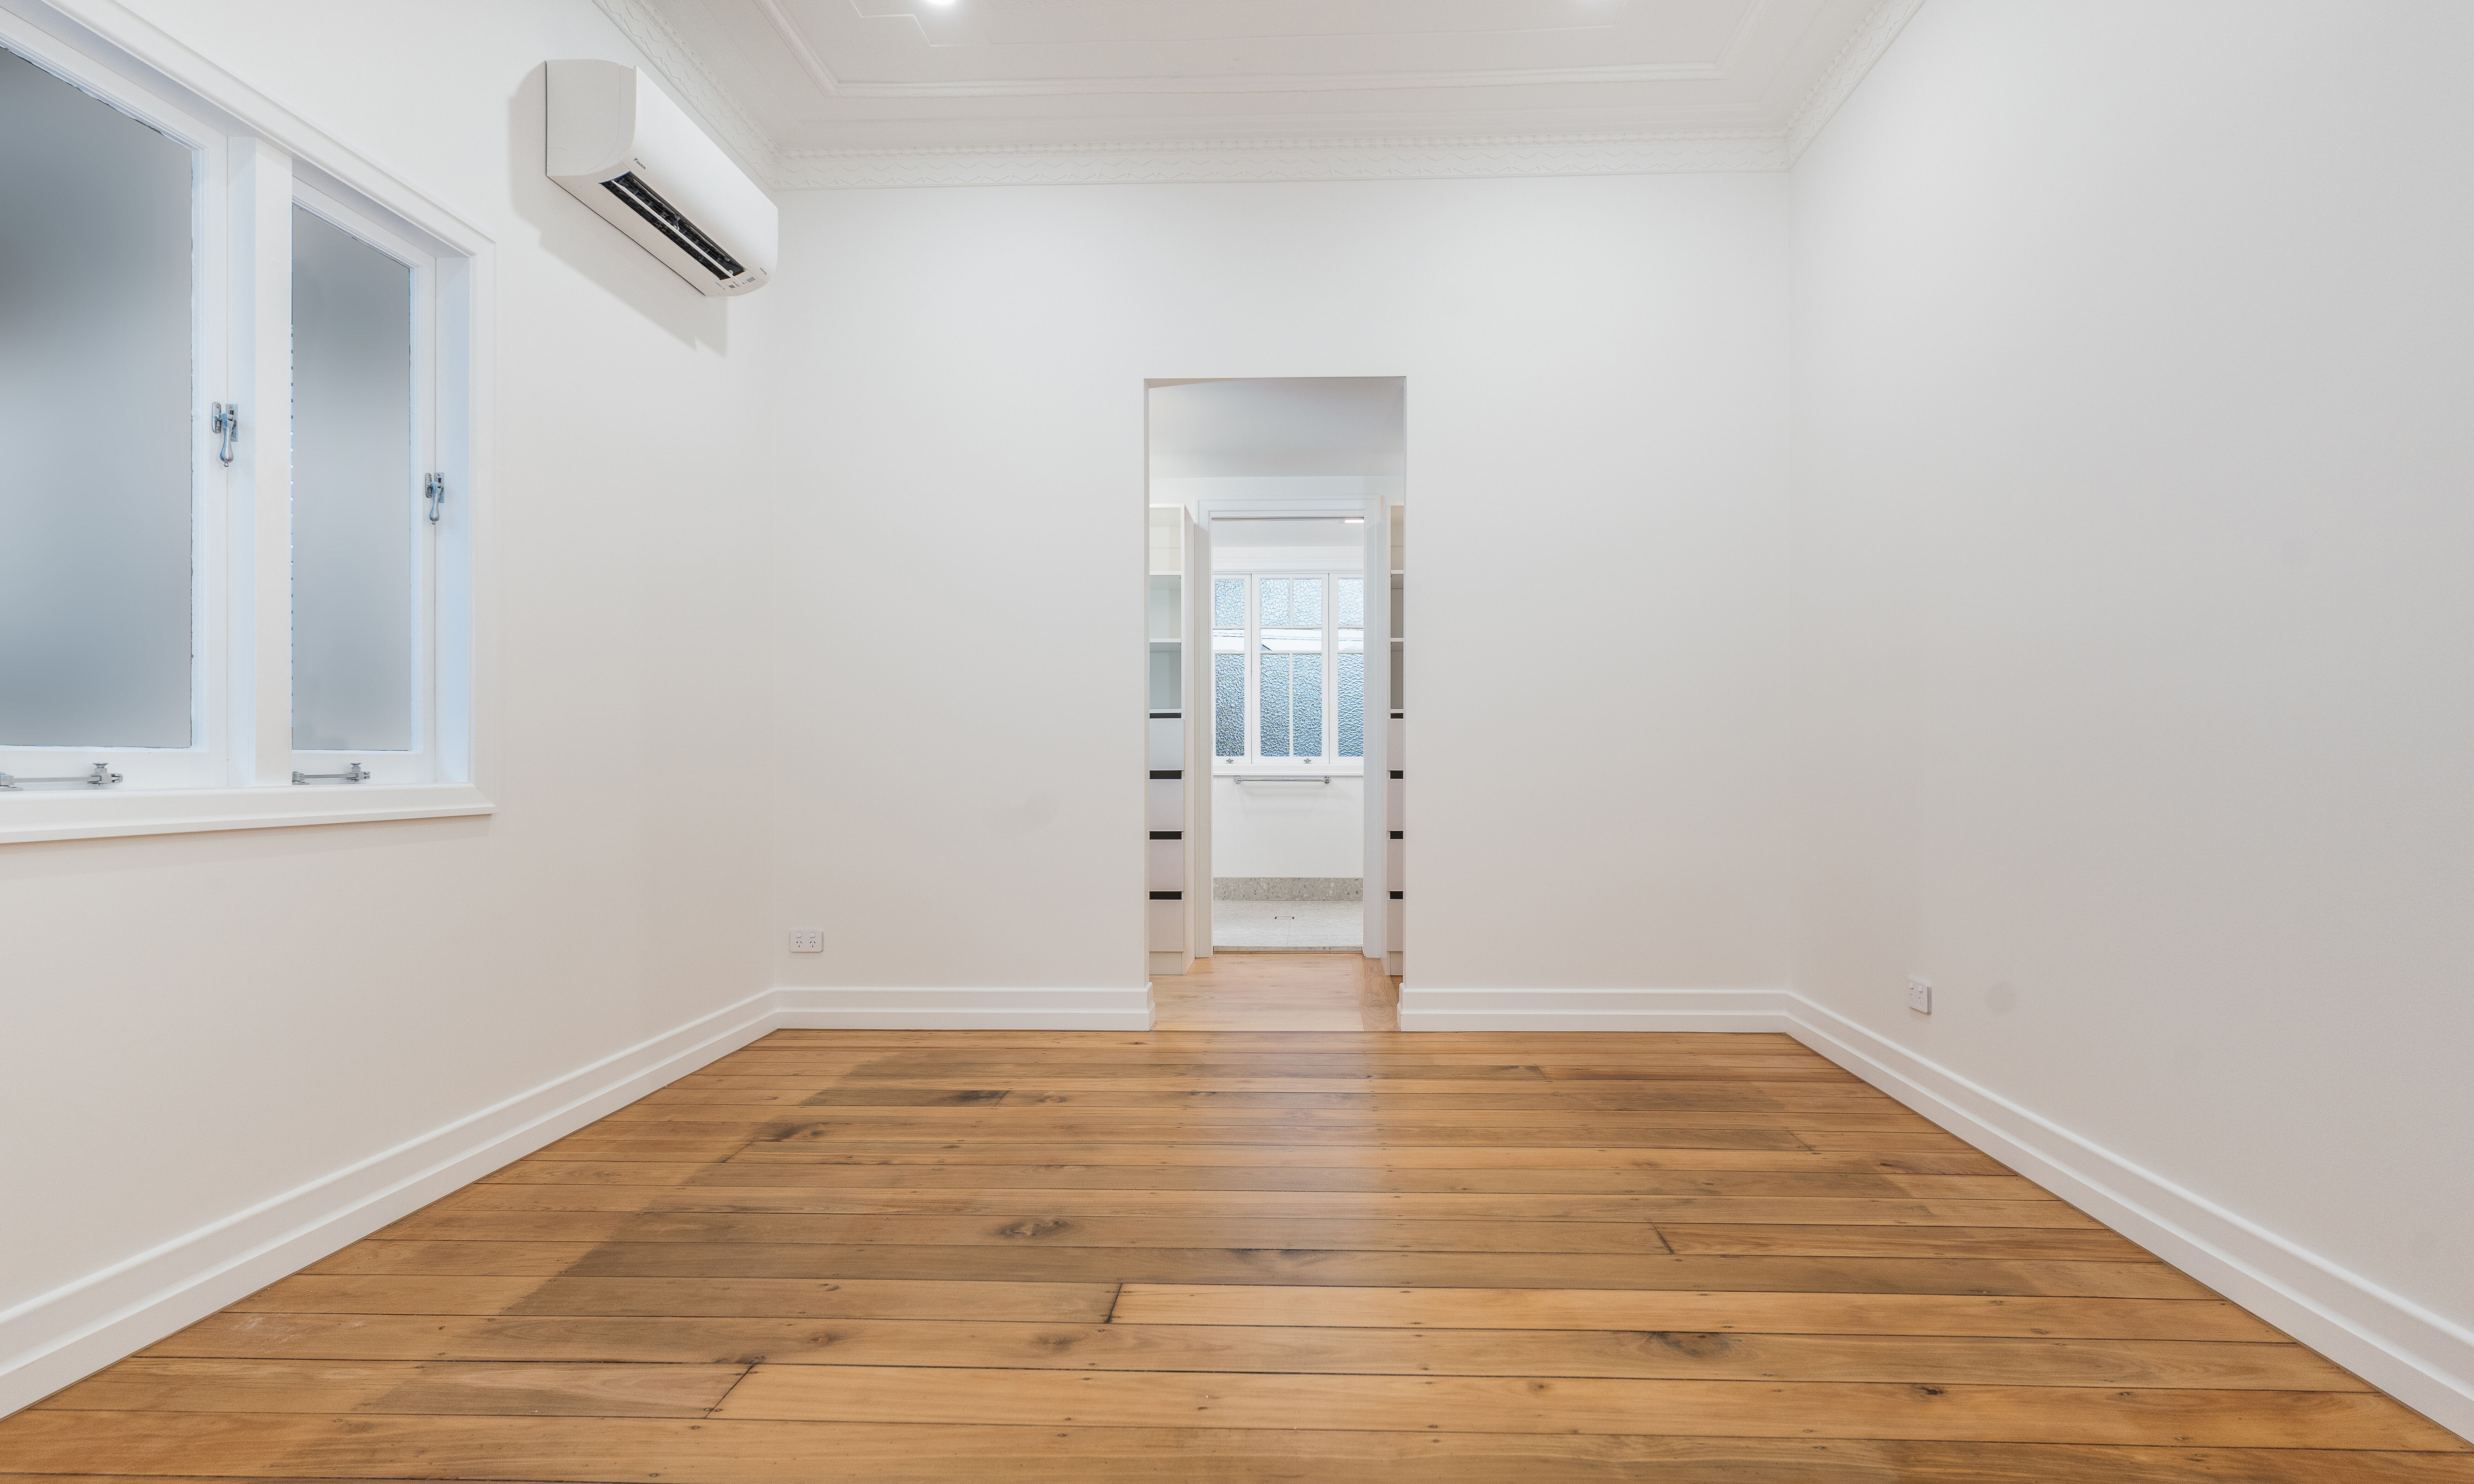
x=1277 y=537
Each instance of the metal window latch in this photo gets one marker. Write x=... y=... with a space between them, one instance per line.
x=99 y=777
x=227 y=426
x=355 y=774
x=433 y=489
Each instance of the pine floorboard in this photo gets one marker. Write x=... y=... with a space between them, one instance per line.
x=1274 y=1239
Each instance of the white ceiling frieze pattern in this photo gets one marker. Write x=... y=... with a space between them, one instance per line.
x=1371 y=157
x=1847 y=72
x=1302 y=159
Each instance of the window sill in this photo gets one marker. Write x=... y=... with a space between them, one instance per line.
x=58 y=814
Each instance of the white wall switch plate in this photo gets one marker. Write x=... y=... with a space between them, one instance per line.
x=807 y=940
x=1919 y=994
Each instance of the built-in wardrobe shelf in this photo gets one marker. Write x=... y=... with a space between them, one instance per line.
x=1167 y=607
x=1168 y=677
x=1395 y=861
x=1164 y=824
x=1168 y=850
x=1393 y=853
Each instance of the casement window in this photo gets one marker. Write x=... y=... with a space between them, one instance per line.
x=1288 y=667
x=363 y=454
x=235 y=536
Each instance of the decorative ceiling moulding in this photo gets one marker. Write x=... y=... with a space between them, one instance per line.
x=691 y=84
x=1210 y=162
x=790 y=35
x=1847 y=72
x=1295 y=83
x=1775 y=147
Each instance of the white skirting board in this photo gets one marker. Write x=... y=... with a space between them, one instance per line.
x=78 y=1328
x=75 y=1330
x=2421 y=1359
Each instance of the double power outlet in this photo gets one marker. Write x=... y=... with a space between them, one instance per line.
x=1920 y=994
x=807 y=940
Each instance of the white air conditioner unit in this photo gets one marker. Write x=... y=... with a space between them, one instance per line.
x=620 y=146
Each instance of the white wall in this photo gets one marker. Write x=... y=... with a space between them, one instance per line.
x=199 y=1024
x=967 y=385
x=2135 y=634
x=1288 y=830
x=1192 y=489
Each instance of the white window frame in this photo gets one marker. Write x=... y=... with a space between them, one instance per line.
x=254 y=158
x=1251 y=730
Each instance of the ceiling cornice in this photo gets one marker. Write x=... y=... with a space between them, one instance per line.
x=1847 y=72
x=1226 y=161
x=692 y=85
x=1244 y=161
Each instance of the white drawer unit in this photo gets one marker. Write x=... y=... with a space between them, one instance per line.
x=1167 y=924
x=1166 y=801
x=1395 y=745
x=1165 y=866
x=1168 y=743
x=1393 y=813
x=1394 y=858
x=1392 y=939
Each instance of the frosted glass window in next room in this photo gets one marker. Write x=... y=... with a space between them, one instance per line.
x=1350 y=626
x=1290 y=643
x=1229 y=667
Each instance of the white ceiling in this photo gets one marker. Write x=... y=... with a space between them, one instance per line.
x=1281 y=427
x=806 y=76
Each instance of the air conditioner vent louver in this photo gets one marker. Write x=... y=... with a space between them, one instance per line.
x=646 y=202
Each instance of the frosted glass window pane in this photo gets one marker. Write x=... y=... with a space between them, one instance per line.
x=1228 y=705
x=1305 y=602
x=1276 y=603
x=1228 y=603
x=96 y=420
x=1353 y=601
x=1306 y=706
x=1275 y=706
x=352 y=492
x=1353 y=706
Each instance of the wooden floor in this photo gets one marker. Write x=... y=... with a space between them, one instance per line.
x=1278 y=991
x=1334 y=1257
